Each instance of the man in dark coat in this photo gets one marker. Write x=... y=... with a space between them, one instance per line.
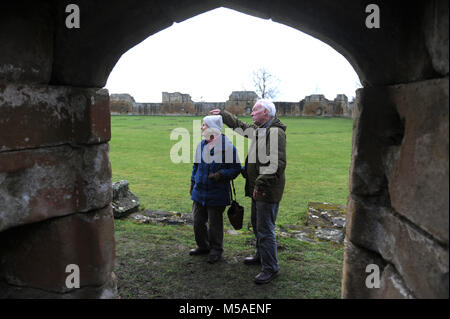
x=216 y=163
x=265 y=179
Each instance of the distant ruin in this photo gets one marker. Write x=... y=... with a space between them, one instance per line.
x=239 y=102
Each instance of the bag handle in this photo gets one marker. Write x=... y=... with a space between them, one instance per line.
x=234 y=191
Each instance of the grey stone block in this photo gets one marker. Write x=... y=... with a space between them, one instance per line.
x=124 y=201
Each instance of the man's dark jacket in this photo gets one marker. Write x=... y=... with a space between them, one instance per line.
x=271 y=184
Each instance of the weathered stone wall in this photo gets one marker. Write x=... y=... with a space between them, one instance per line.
x=339 y=106
x=147 y=109
x=177 y=103
x=175 y=98
x=348 y=112
x=318 y=105
x=34 y=257
x=315 y=104
x=121 y=103
x=55 y=174
x=202 y=108
x=398 y=206
x=239 y=104
x=288 y=108
x=55 y=177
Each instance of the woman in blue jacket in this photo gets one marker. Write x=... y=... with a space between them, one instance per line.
x=216 y=163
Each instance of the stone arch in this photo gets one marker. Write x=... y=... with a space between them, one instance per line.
x=374 y=64
x=55 y=124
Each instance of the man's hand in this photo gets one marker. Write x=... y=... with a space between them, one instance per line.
x=216 y=177
x=190 y=191
x=257 y=194
x=214 y=112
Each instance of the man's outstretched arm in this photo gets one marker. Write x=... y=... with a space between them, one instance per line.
x=231 y=120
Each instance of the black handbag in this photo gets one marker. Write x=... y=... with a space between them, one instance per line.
x=235 y=211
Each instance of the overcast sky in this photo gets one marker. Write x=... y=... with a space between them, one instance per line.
x=215 y=53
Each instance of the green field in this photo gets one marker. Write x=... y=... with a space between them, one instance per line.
x=318 y=160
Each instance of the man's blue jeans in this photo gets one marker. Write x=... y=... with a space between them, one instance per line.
x=263 y=219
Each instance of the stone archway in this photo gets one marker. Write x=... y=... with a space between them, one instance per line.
x=55 y=189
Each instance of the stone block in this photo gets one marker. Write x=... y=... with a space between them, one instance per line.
x=36 y=116
x=436 y=34
x=401 y=150
x=329 y=234
x=356 y=273
x=419 y=259
x=328 y=221
x=49 y=182
x=26 y=37
x=124 y=201
x=121 y=107
x=326 y=215
x=162 y=217
x=106 y=291
x=418 y=174
x=377 y=129
x=36 y=255
x=392 y=285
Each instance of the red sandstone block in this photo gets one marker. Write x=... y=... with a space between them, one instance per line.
x=354 y=281
x=419 y=179
x=95 y=127
x=49 y=182
x=36 y=255
x=35 y=116
x=400 y=151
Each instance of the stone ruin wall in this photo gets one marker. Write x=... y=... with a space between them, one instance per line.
x=121 y=104
x=239 y=103
x=397 y=210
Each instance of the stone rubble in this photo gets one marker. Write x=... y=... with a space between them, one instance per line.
x=154 y=216
x=124 y=201
x=326 y=222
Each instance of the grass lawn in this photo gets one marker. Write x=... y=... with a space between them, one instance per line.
x=152 y=261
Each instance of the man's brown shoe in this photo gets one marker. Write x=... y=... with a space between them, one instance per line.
x=252 y=260
x=198 y=251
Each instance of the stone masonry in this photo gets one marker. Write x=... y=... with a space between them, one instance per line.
x=239 y=103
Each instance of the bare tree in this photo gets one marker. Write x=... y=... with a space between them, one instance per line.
x=266 y=84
